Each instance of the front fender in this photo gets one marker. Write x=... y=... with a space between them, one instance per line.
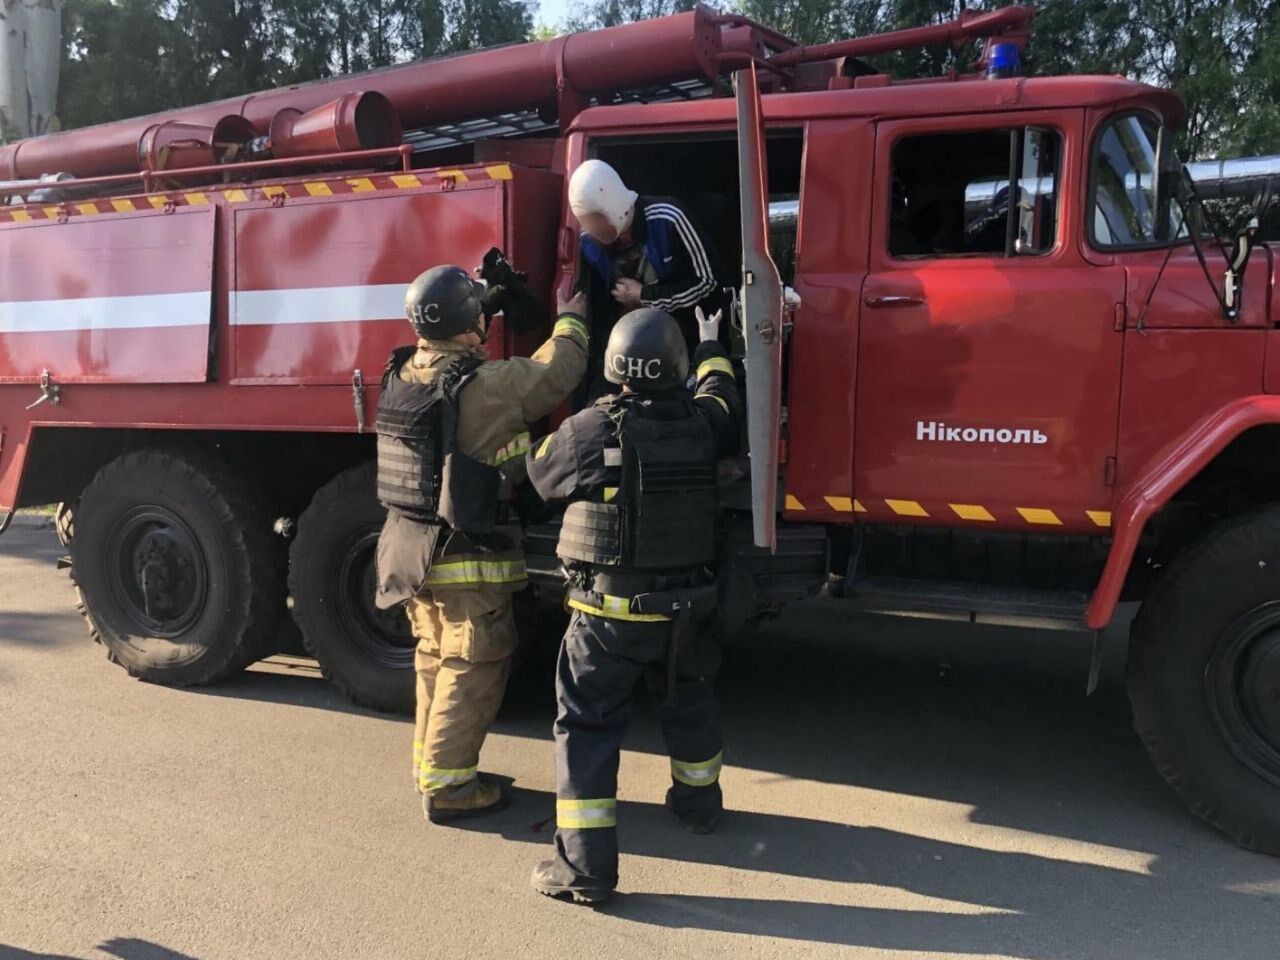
x=1166 y=474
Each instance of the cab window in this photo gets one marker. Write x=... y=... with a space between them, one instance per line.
x=951 y=193
x=1129 y=210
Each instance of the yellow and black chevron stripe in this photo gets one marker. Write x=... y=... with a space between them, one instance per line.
x=293 y=190
x=949 y=512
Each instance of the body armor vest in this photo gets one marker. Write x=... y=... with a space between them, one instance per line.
x=663 y=516
x=421 y=472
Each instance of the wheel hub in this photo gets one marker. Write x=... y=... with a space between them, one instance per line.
x=157 y=570
x=162 y=574
x=383 y=636
x=1260 y=684
x=1242 y=684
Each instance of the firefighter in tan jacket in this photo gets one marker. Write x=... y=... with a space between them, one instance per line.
x=452 y=434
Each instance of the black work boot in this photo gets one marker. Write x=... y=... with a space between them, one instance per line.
x=554 y=878
x=475 y=798
x=699 y=811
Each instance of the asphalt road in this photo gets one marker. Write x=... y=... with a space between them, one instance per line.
x=916 y=790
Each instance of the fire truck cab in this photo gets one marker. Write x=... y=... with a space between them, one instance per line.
x=990 y=374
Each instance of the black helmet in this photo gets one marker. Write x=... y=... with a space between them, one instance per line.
x=646 y=351
x=444 y=302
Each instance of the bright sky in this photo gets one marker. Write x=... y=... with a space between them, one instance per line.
x=550 y=12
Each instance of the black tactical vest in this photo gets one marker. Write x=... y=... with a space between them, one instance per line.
x=663 y=516
x=421 y=473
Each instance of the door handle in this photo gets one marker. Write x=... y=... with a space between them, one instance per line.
x=892 y=300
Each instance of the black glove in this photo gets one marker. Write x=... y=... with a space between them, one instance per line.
x=508 y=293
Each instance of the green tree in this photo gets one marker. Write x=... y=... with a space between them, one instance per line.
x=127 y=57
x=120 y=59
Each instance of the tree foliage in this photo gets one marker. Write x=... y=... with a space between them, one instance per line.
x=127 y=57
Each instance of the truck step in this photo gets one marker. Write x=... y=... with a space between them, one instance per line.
x=969 y=602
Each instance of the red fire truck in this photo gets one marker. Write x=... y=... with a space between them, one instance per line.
x=1014 y=387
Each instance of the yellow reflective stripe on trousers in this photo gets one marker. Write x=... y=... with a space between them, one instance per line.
x=454 y=572
x=571 y=327
x=430 y=777
x=697 y=774
x=615 y=608
x=542 y=447
x=518 y=447
x=716 y=364
x=586 y=814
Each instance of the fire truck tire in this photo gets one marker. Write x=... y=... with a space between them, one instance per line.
x=64 y=521
x=1204 y=678
x=365 y=652
x=179 y=574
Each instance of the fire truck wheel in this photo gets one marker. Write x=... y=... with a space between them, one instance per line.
x=1204 y=678
x=365 y=652
x=178 y=572
x=64 y=521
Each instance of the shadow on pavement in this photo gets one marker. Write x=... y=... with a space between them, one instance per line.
x=996 y=902
x=123 y=948
x=43 y=629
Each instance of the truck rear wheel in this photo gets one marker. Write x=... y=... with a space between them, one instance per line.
x=178 y=572
x=365 y=652
x=1204 y=678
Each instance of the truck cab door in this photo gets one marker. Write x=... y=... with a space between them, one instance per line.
x=989 y=349
x=760 y=303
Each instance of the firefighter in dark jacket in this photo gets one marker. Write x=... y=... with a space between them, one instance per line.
x=452 y=434
x=637 y=252
x=638 y=472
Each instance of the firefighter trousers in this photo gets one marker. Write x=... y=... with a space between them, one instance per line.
x=465 y=641
x=601 y=660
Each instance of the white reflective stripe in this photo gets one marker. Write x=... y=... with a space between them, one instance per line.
x=701 y=774
x=612 y=604
x=443 y=777
x=600 y=813
x=586 y=814
x=383 y=301
x=477 y=571
x=106 y=313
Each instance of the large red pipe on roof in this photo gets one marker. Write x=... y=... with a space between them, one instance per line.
x=484 y=83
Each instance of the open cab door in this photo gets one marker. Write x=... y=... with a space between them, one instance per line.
x=760 y=301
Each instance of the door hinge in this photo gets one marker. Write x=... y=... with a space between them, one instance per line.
x=357 y=398
x=1118 y=318
x=50 y=392
x=1109 y=471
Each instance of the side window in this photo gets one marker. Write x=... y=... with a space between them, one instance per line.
x=1128 y=209
x=951 y=193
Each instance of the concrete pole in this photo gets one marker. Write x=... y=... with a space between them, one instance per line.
x=30 y=51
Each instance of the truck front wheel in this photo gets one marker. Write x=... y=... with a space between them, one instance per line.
x=1204 y=678
x=178 y=572
x=366 y=652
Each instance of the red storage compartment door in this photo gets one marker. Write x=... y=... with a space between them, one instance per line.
x=107 y=299
x=319 y=284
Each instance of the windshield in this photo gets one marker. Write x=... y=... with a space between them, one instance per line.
x=1129 y=209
